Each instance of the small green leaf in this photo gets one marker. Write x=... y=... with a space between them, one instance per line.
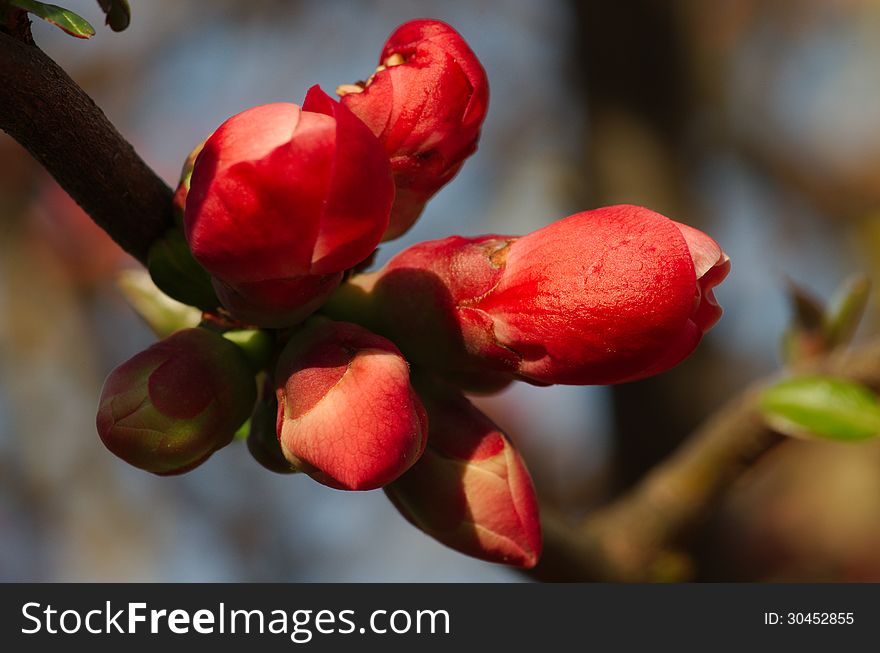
x=70 y=22
x=823 y=407
x=118 y=13
x=847 y=310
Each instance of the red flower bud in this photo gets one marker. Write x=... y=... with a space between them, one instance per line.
x=282 y=200
x=470 y=490
x=347 y=415
x=167 y=409
x=600 y=297
x=426 y=104
x=606 y=296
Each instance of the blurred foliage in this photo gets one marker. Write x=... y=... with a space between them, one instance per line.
x=816 y=330
x=118 y=13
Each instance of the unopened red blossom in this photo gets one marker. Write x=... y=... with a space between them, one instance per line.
x=600 y=297
x=347 y=415
x=276 y=215
x=167 y=409
x=470 y=490
x=282 y=200
x=426 y=104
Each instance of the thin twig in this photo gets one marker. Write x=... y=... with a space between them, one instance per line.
x=637 y=535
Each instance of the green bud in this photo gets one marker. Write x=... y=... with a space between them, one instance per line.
x=167 y=409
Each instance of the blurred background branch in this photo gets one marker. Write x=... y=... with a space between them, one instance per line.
x=643 y=535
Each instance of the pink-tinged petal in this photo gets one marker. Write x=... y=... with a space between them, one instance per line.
x=705 y=252
x=168 y=408
x=711 y=265
x=470 y=490
x=347 y=415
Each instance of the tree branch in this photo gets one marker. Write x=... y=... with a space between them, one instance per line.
x=43 y=109
x=637 y=536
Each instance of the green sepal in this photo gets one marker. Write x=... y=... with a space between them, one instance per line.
x=72 y=23
x=254 y=343
x=262 y=441
x=177 y=273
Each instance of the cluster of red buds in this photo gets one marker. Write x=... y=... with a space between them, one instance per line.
x=357 y=378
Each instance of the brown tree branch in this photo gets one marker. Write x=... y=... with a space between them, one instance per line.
x=636 y=537
x=43 y=109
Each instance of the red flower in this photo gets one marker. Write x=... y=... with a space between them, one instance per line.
x=347 y=415
x=470 y=490
x=600 y=297
x=426 y=104
x=167 y=409
x=282 y=200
